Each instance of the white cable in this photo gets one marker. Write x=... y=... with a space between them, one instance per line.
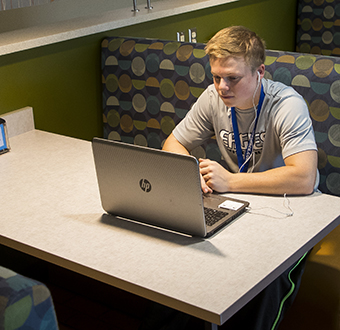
x=286 y=204
x=252 y=123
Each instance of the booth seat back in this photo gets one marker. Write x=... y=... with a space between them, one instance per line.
x=149 y=85
x=317 y=79
x=318 y=25
x=148 y=88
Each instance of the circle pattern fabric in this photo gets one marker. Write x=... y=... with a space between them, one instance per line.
x=149 y=86
x=317 y=79
x=318 y=27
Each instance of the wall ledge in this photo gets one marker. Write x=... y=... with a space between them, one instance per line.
x=44 y=33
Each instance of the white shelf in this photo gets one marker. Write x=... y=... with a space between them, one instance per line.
x=26 y=28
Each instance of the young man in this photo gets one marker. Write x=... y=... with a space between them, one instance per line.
x=273 y=151
x=265 y=135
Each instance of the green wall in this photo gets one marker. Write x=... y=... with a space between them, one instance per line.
x=62 y=82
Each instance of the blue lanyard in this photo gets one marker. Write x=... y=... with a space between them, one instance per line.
x=243 y=162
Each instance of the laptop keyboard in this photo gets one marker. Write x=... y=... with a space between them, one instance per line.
x=212 y=215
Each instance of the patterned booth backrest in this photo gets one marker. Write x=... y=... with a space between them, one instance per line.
x=317 y=79
x=318 y=27
x=149 y=85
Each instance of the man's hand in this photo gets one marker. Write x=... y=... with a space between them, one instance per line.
x=205 y=188
x=215 y=176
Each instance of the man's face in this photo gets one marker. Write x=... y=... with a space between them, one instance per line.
x=234 y=81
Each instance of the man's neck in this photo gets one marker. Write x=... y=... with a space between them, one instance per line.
x=252 y=102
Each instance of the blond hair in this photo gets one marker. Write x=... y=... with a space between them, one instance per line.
x=237 y=41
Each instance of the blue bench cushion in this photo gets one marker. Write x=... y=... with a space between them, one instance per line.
x=25 y=303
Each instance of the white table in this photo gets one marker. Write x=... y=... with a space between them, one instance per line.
x=51 y=209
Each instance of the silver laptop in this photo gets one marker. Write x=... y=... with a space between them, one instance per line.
x=159 y=188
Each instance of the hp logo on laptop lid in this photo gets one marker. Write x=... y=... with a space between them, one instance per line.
x=145 y=185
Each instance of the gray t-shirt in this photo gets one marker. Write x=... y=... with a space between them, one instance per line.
x=283 y=129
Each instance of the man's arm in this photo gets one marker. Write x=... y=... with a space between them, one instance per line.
x=296 y=178
x=171 y=144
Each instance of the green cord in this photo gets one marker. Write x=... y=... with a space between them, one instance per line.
x=288 y=294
